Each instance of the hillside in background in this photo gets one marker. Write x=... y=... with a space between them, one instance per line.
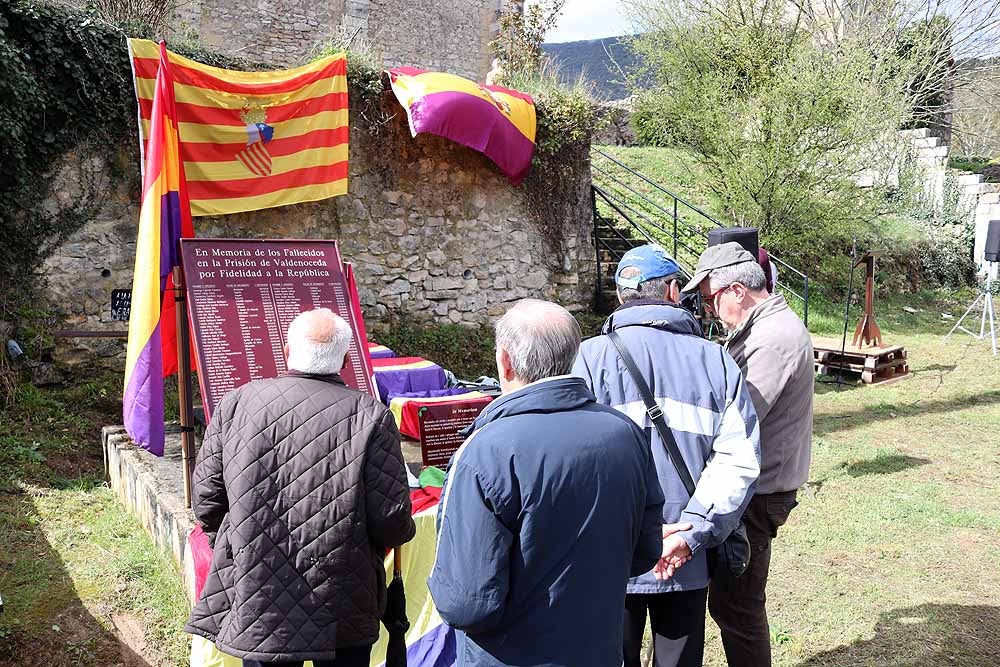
x=600 y=61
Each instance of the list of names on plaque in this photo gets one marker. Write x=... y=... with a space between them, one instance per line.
x=242 y=296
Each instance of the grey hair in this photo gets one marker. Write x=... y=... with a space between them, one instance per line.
x=653 y=288
x=541 y=338
x=748 y=274
x=318 y=341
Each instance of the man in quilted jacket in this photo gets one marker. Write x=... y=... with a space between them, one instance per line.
x=549 y=507
x=301 y=488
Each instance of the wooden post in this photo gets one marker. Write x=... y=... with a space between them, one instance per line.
x=184 y=382
x=868 y=330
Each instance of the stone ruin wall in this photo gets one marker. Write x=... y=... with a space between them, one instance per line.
x=434 y=230
x=447 y=35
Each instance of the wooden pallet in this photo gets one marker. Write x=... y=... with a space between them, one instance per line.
x=868 y=365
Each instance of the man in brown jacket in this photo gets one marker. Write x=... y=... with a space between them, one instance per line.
x=301 y=488
x=773 y=349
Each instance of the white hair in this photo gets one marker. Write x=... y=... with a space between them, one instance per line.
x=749 y=274
x=317 y=342
x=541 y=339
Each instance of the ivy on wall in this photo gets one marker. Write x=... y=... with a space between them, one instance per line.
x=64 y=81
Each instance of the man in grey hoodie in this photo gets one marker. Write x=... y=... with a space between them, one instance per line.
x=774 y=351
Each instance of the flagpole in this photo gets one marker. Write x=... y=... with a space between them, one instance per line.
x=184 y=382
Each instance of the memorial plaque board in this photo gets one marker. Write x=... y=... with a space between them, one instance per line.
x=121 y=305
x=242 y=295
x=440 y=428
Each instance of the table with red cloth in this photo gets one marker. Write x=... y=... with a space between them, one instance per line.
x=406 y=407
x=400 y=375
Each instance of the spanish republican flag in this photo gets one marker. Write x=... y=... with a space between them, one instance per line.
x=164 y=217
x=252 y=140
x=498 y=122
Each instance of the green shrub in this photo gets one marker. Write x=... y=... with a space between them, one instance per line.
x=974 y=164
x=467 y=352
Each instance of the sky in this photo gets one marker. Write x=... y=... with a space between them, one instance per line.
x=590 y=19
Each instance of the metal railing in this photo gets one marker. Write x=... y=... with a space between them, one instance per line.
x=625 y=214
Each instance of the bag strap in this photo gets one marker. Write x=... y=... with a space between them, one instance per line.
x=655 y=414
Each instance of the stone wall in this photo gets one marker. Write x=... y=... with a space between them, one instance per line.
x=276 y=31
x=448 y=35
x=434 y=230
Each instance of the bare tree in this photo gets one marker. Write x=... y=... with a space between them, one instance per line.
x=134 y=15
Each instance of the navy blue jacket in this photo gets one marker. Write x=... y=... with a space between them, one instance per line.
x=549 y=507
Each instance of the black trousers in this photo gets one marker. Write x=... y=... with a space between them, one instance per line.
x=678 y=624
x=738 y=604
x=354 y=656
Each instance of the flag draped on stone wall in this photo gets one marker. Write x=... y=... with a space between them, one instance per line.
x=253 y=140
x=164 y=217
x=498 y=122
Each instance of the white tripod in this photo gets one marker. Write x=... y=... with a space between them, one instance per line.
x=986 y=296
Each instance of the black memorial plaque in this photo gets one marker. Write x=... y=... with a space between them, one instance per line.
x=121 y=305
x=441 y=426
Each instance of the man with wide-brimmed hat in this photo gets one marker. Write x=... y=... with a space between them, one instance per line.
x=774 y=351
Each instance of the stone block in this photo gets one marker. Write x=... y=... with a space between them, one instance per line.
x=449 y=283
x=399 y=286
x=534 y=280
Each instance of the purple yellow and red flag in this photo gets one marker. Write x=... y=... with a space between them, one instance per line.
x=253 y=140
x=164 y=218
x=498 y=122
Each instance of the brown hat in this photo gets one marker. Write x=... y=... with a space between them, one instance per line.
x=717 y=257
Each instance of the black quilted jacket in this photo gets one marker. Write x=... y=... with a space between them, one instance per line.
x=301 y=488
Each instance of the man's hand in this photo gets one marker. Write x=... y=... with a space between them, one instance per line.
x=675 y=551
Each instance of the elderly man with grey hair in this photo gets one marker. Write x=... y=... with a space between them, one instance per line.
x=550 y=505
x=774 y=352
x=300 y=487
x=706 y=414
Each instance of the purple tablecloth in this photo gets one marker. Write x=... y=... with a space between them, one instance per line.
x=401 y=375
x=377 y=351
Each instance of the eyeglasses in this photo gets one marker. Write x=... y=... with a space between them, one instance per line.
x=710 y=299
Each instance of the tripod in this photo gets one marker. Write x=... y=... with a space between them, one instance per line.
x=986 y=296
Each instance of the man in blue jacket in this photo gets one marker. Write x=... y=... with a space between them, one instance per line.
x=708 y=409
x=549 y=507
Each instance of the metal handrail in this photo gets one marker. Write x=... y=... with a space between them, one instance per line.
x=619 y=201
x=643 y=198
x=611 y=202
x=652 y=223
x=656 y=185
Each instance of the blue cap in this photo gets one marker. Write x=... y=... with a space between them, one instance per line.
x=652 y=262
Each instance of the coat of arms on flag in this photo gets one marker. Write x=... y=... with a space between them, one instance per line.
x=255 y=156
x=253 y=140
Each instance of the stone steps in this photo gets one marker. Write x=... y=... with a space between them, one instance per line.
x=917 y=133
x=968 y=178
x=934 y=152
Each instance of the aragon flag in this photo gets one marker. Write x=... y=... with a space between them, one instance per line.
x=164 y=218
x=253 y=140
x=498 y=122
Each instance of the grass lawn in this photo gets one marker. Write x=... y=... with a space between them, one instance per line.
x=82 y=583
x=891 y=558
x=893 y=555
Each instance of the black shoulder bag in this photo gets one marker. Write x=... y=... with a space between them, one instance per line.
x=732 y=557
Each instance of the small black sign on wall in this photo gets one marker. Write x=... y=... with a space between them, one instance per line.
x=121 y=304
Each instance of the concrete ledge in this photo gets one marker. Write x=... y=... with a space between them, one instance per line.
x=152 y=489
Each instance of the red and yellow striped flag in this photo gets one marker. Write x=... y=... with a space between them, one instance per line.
x=252 y=140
